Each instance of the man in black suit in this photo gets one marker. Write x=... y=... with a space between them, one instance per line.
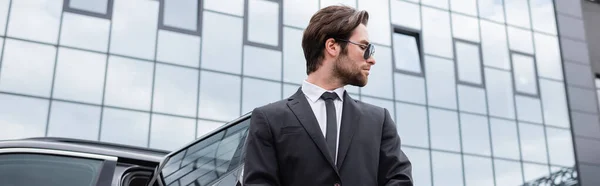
x=320 y=135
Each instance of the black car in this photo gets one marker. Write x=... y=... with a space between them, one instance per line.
x=214 y=159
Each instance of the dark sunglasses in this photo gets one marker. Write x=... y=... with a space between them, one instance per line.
x=369 y=48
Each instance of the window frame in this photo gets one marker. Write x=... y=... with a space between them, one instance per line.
x=108 y=15
x=535 y=72
x=417 y=34
x=245 y=36
x=481 y=65
x=200 y=16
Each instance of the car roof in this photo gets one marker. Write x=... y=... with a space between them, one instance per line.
x=124 y=153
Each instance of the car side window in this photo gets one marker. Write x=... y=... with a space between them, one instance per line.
x=48 y=170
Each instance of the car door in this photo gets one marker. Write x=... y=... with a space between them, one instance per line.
x=216 y=157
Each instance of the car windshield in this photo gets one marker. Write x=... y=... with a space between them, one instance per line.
x=207 y=160
x=47 y=170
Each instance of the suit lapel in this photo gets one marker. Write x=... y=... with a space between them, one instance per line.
x=300 y=107
x=350 y=120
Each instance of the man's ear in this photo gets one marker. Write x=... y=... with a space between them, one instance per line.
x=332 y=48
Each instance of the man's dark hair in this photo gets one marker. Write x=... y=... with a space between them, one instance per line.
x=336 y=22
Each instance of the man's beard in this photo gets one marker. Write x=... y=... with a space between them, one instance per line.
x=348 y=74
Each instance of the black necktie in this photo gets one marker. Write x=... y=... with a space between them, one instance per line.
x=331 y=136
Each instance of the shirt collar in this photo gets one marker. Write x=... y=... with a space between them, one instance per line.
x=314 y=92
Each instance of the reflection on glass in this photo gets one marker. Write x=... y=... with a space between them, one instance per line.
x=524 y=73
x=533 y=143
x=79 y=76
x=379 y=20
x=71 y=120
x=263 y=22
x=508 y=172
x=412 y=124
x=175 y=90
x=491 y=10
x=574 y=51
x=234 y=7
x=294 y=63
x=171 y=133
x=500 y=93
x=468 y=62
x=447 y=168
x=464 y=6
x=380 y=77
x=520 y=40
x=219 y=100
x=441 y=82
x=409 y=88
x=257 y=93
x=528 y=109
x=560 y=147
x=465 y=27
x=25 y=73
x=222 y=42
x=472 y=99
x=406 y=53
x=84 y=32
x=22 y=117
x=261 y=62
x=181 y=14
x=475 y=134
x=133 y=31
x=36 y=20
x=297 y=13
x=128 y=83
x=436 y=32
x=443 y=126
x=421 y=169
x=3 y=15
x=542 y=15
x=98 y=6
x=517 y=13
x=554 y=103
x=177 y=48
x=125 y=127
x=494 y=45
x=406 y=14
x=532 y=172
x=478 y=171
x=548 y=57
x=205 y=127
x=505 y=140
x=443 y=4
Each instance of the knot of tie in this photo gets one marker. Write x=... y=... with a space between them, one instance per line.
x=329 y=96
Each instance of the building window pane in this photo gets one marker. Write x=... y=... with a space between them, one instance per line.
x=444 y=130
x=464 y=6
x=504 y=138
x=465 y=27
x=533 y=172
x=508 y=172
x=443 y=4
x=421 y=165
x=409 y=88
x=222 y=43
x=256 y=59
x=500 y=93
x=79 y=76
x=84 y=32
x=380 y=78
x=407 y=55
x=406 y=14
x=554 y=103
x=379 y=20
x=177 y=48
x=351 y=3
x=294 y=66
x=4 y=4
x=441 y=82
x=560 y=147
x=468 y=62
x=170 y=133
x=529 y=109
x=128 y=83
x=46 y=15
x=263 y=22
x=542 y=16
x=547 y=55
x=22 y=117
x=234 y=7
x=475 y=134
x=257 y=93
x=478 y=171
x=134 y=26
x=520 y=40
x=182 y=14
x=219 y=100
x=205 y=127
x=125 y=127
x=447 y=168
x=289 y=90
x=491 y=10
x=27 y=68
x=97 y=6
x=73 y=120
x=517 y=13
x=412 y=124
x=436 y=32
x=524 y=74
x=175 y=90
x=494 y=45
x=533 y=143
x=297 y=13
x=472 y=99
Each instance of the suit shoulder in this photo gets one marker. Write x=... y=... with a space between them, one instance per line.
x=370 y=108
x=273 y=106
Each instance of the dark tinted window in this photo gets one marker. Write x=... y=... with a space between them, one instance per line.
x=209 y=159
x=47 y=170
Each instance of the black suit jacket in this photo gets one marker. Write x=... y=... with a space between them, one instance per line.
x=285 y=146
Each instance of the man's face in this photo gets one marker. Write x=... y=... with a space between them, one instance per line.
x=351 y=67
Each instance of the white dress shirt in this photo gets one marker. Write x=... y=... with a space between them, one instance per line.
x=313 y=95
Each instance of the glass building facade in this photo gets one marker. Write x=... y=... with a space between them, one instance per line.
x=476 y=86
